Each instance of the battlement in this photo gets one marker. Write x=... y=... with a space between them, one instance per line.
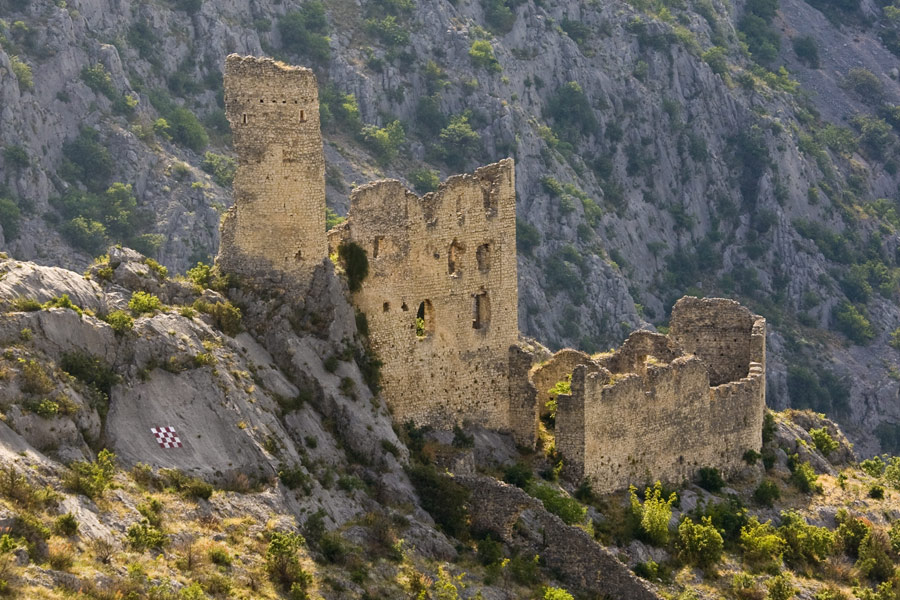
x=631 y=409
x=275 y=230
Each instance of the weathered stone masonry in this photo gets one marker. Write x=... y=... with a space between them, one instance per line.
x=651 y=410
x=276 y=228
x=659 y=407
x=449 y=260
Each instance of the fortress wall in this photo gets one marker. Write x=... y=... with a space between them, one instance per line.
x=453 y=254
x=561 y=364
x=632 y=355
x=736 y=416
x=718 y=331
x=523 y=406
x=277 y=224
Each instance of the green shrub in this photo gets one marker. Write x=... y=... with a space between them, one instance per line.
x=654 y=514
x=187 y=130
x=865 y=83
x=282 y=560
x=332 y=219
x=699 y=544
x=766 y=493
x=853 y=323
x=780 y=587
x=710 y=479
x=804 y=544
x=91 y=478
x=219 y=555
x=807 y=51
x=226 y=316
x=98 y=79
x=424 y=180
x=144 y=536
x=821 y=390
x=143 y=302
x=875 y=135
x=385 y=141
x=16 y=157
x=572 y=113
x=525 y=569
x=22 y=71
x=35 y=378
x=527 y=236
x=221 y=167
x=552 y=593
x=850 y=532
x=804 y=476
x=717 y=59
x=209 y=277
x=823 y=441
x=458 y=142
x=304 y=32
x=356 y=264
x=482 y=54
x=873 y=466
x=875 y=556
x=120 y=321
x=489 y=551
x=443 y=498
x=519 y=475
x=876 y=492
x=557 y=502
x=93 y=371
x=87 y=160
x=761 y=545
x=10 y=216
x=499 y=15
x=390 y=30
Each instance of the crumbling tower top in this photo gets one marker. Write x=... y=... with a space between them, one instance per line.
x=276 y=228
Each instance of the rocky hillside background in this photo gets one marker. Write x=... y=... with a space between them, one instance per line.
x=663 y=148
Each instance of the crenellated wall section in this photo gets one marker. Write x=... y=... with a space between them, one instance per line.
x=648 y=411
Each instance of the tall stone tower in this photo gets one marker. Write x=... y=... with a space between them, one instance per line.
x=276 y=228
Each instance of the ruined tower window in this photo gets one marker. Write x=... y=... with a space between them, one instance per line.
x=424 y=319
x=483 y=256
x=299 y=256
x=481 y=311
x=376 y=245
x=261 y=100
x=454 y=254
x=245 y=118
x=302 y=116
x=404 y=307
x=490 y=202
x=386 y=307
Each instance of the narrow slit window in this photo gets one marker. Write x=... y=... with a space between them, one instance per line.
x=454 y=256
x=483 y=256
x=376 y=246
x=302 y=116
x=245 y=118
x=481 y=309
x=386 y=307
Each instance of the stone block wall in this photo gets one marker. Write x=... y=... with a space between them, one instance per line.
x=648 y=411
x=276 y=227
x=718 y=331
x=448 y=258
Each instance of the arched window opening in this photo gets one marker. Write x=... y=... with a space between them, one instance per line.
x=483 y=256
x=481 y=309
x=454 y=259
x=424 y=319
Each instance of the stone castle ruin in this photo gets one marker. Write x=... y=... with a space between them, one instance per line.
x=441 y=302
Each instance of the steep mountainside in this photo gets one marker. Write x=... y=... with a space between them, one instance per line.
x=661 y=149
x=282 y=475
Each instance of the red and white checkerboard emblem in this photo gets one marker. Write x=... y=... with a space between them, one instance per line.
x=166 y=437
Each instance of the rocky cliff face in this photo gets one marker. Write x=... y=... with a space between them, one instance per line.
x=655 y=156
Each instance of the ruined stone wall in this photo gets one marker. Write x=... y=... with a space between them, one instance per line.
x=276 y=227
x=579 y=561
x=523 y=405
x=718 y=331
x=561 y=364
x=451 y=258
x=658 y=417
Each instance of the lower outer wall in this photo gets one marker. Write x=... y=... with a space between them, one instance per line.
x=665 y=426
x=579 y=561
